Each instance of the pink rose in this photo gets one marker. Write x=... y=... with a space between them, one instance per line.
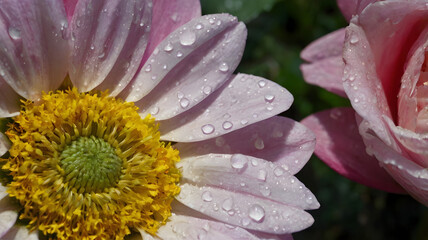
x=378 y=62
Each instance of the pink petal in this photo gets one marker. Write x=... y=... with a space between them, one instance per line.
x=330 y=45
x=8 y=215
x=340 y=146
x=353 y=7
x=186 y=227
x=244 y=210
x=326 y=64
x=34 y=53
x=21 y=233
x=4 y=144
x=168 y=16
x=277 y=139
x=9 y=101
x=391 y=29
x=227 y=109
x=361 y=82
x=186 y=61
x=70 y=5
x=411 y=176
x=249 y=175
x=326 y=73
x=108 y=39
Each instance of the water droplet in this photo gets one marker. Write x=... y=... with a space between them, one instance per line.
x=261 y=83
x=207 y=90
x=254 y=162
x=218 y=23
x=148 y=68
x=224 y=67
x=154 y=111
x=244 y=122
x=174 y=17
x=164 y=67
x=92 y=47
x=211 y=20
x=187 y=38
x=14 y=33
x=206 y=196
x=238 y=161
x=356 y=100
x=269 y=98
x=227 y=204
x=179 y=54
x=256 y=213
x=184 y=102
x=180 y=95
x=278 y=171
x=227 y=125
x=354 y=39
x=245 y=221
x=262 y=175
x=168 y=47
x=198 y=26
x=207 y=129
x=259 y=144
x=265 y=191
x=101 y=55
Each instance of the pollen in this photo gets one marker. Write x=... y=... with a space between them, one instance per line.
x=88 y=166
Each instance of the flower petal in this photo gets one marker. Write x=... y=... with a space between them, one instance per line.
x=168 y=16
x=245 y=174
x=411 y=176
x=8 y=215
x=330 y=45
x=70 y=5
x=9 y=101
x=34 y=53
x=244 y=210
x=277 y=139
x=21 y=233
x=340 y=146
x=236 y=102
x=4 y=144
x=108 y=41
x=186 y=227
x=186 y=62
x=353 y=7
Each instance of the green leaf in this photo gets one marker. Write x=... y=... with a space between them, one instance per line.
x=245 y=10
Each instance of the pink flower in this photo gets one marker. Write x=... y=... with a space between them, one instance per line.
x=379 y=62
x=202 y=155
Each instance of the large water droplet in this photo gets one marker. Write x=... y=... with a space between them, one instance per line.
x=154 y=111
x=269 y=98
x=227 y=125
x=227 y=204
x=207 y=129
x=278 y=171
x=354 y=39
x=256 y=213
x=14 y=33
x=261 y=83
x=238 y=161
x=206 y=196
x=184 y=102
x=259 y=144
x=168 y=47
x=187 y=38
x=262 y=175
x=224 y=67
x=199 y=26
x=207 y=90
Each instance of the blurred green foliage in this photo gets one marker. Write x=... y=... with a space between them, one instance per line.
x=277 y=31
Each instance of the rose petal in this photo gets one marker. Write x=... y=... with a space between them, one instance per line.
x=184 y=60
x=186 y=227
x=330 y=45
x=21 y=233
x=108 y=40
x=244 y=210
x=326 y=73
x=277 y=139
x=245 y=174
x=4 y=144
x=34 y=53
x=353 y=7
x=9 y=101
x=340 y=146
x=168 y=16
x=224 y=111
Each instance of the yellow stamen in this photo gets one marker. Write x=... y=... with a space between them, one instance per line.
x=131 y=184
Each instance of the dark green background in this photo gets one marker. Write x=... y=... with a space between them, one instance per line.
x=277 y=31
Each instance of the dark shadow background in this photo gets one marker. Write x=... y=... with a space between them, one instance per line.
x=277 y=31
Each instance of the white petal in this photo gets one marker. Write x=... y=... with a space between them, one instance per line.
x=4 y=144
x=9 y=101
x=21 y=233
x=8 y=215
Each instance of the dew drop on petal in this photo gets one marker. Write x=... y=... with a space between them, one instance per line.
x=238 y=161
x=244 y=122
x=207 y=129
x=184 y=102
x=168 y=47
x=148 y=68
x=207 y=90
x=269 y=98
x=261 y=83
x=224 y=67
x=256 y=213
x=198 y=26
x=265 y=191
x=187 y=38
x=245 y=221
x=262 y=175
x=227 y=125
x=179 y=54
x=278 y=171
x=354 y=39
x=206 y=196
x=154 y=111
x=227 y=204
x=14 y=33
x=259 y=144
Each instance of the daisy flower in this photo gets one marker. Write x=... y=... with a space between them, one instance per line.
x=124 y=117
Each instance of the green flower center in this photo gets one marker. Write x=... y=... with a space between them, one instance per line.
x=90 y=164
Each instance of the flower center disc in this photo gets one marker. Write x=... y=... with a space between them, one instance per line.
x=87 y=166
